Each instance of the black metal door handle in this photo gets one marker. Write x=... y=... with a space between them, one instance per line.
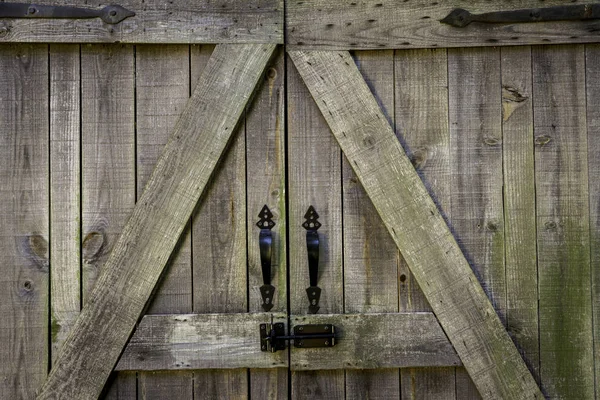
x=112 y=14
x=312 y=248
x=265 y=243
x=575 y=12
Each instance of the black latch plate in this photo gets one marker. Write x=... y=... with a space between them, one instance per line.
x=265 y=335
x=317 y=330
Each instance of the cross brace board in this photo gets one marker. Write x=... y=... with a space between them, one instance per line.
x=416 y=225
x=160 y=215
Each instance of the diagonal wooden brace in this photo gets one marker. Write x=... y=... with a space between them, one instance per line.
x=412 y=218
x=143 y=249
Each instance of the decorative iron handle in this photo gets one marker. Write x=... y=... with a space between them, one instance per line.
x=312 y=248
x=265 y=243
x=575 y=12
x=112 y=14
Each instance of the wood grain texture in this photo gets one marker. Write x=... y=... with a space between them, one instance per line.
x=429 y=384
x=65 y=191
x=200 y=341
x=220 y=276
x=391 y=24
x=107 y=156
x=476 y=197
x=421 y=113
x=179 y=21
x=592 y=73
x=519 y=203
x=370 y=254
x=162 y=90
x=24 y=177
x=413 y=220
x=368 y=341
x=314 y=178
x=265 y=184
x=563 y=238
x=157 y=221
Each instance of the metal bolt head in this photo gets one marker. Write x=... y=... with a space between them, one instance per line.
x=326 y=327
x=300 y=343
x=301 y=328
x=327 y=343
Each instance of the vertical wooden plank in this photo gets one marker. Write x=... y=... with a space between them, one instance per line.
x=592 y=73
x=108 y=154
x=265 y=164
x=519 y=203
x=162 y=90
x=24 y=219
x=370 y=254
x=219 y=249
x=563 y=240
x=65 y=191
x=314 y=178
x=476 y=168
x=421 y=112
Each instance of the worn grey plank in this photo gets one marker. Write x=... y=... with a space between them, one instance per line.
x=367 y=341
x=107 y=156
x=65 y=191
x=162 y=90
x=519 y=203
x=219 y=249
x=392 y=24
x=157 y=221
x=421 y=112
x=563 y=237
x=265 y=174
x=200 y=341
x=178 y=21
x=24 y=219
x=592 y=73
x=314 y=178
x=476 y=201
x=370 y=255
x=420 y=232
x=429 y=384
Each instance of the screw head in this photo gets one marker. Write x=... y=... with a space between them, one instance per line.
x=300 y=343
x=301 y=328
x=327 y=343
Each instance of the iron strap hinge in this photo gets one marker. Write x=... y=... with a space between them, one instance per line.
x=273 y=337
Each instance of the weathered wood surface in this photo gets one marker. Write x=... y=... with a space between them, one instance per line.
x=107 y=158
x=65 y=191
x=476 y=177
x=162 y=90
x=370 y=255
x=265 y=184
x=461 y=305
x=158 y=219
x=393 y=24
x=519 y=203
x=314 y=178
x=421 y=112
x=563 y=236
x=592 y=72
x=156 y=21
x=200 y=341
x=220 y=278
x=24 y=258
x=369 y=341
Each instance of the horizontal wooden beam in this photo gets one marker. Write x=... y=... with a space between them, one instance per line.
x=368 y=341
x=223 y=341
x=158 y=21
x=416 y=225
x=200 y=341
x=395 y=24
x=162 y=212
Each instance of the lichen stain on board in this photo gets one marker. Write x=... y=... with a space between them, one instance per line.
x=511 y=100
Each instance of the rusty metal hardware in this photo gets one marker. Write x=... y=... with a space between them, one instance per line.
x=575 y=12
x=265 y=243
x=312 y=248
x=273 y=337
x=112 y=14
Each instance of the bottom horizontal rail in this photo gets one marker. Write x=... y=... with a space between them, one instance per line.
x=227 y=341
